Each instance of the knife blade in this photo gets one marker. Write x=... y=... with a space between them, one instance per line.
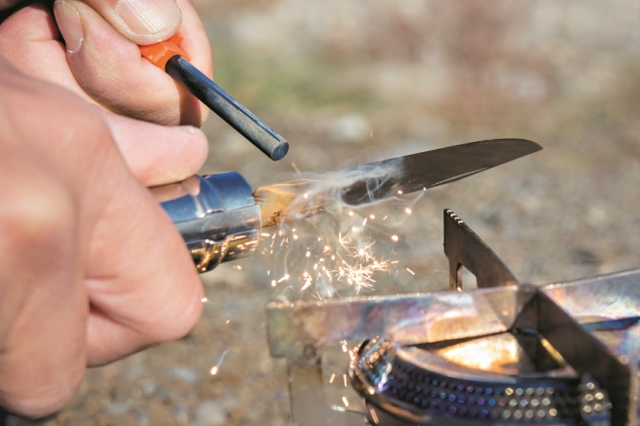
x=387 y=178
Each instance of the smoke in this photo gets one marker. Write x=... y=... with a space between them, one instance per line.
x=338 y=239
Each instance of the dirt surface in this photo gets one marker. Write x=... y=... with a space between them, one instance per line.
x=349 y=82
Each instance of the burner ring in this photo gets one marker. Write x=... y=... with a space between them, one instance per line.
x=390 y=382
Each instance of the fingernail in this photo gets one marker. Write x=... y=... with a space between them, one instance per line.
x=69 y=24
x=149 y=16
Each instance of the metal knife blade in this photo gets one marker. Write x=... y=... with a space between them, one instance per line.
x=383 y=179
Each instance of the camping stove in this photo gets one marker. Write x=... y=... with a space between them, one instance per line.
x=504 y=353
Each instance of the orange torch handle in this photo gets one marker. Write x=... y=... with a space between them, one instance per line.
x=160 y=53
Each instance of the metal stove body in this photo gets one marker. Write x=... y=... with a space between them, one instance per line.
x=505 y=353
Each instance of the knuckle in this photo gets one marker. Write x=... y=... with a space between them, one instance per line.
x=38 y=213
x=176 y=321
x=180 y=326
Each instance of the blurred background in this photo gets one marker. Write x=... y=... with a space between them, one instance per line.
x=354 y=81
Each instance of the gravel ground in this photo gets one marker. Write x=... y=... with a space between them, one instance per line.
x=349 y=82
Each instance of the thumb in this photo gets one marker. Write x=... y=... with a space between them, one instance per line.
x=141 y=21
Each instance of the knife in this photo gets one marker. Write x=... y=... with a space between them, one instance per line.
x=395 y=176
x=220 y=217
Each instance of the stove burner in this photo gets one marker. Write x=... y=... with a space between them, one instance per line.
x=505 y=353
x=419 y=395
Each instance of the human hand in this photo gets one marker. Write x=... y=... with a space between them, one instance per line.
x=91 y=268
x=101 y=60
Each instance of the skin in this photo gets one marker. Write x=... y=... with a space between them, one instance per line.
x=91 y=268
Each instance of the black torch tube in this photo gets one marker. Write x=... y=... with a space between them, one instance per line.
x=227 y=108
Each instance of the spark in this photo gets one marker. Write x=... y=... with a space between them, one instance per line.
x=266 y=235
x=307 y=282
x=227 y=321
x=344 y=347
x=296 y=168
x=385 y=218
x=346 y=402
x=343 y=240
x=400 y=192
x=346 y=257
x=352 y=355
x=408 y=210
x=333 y=376
x=238 y=267
x=204 y=299
x=306 y=196
x=410 y=271
x=285 y=278
x=344 y=379
x=360 y=274
x=216 y=367
x=371 y=134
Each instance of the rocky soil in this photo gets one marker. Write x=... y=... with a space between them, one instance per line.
x=348 y=82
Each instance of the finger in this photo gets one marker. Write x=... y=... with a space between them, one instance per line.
x=141 y=21
x=142 y=283
x=42 y=316
x=110 y=69
x=155 y=154
x=158 y=154
x=5 y=4
x=29 y=40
